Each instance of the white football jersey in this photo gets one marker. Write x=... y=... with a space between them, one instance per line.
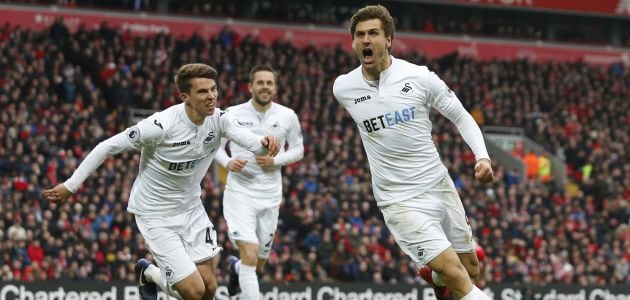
x=392 y=115
x=279 y=121
x=175 y=156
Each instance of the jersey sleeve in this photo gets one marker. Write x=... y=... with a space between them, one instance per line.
x=444 y=100
x=133 y=137
x=151 y=131
x=337 y=89
x=295 y=150
x=240 y=135
x=221 y=156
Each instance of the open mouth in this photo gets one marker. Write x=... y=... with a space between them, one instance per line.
x=368 y=55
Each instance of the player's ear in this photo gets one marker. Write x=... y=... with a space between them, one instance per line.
x=250 y=87
x=183 y=96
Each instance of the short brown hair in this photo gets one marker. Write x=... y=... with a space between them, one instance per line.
x=259 y=68
x=191 y=71
x=374 y=12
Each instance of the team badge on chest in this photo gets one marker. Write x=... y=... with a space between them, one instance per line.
x=209 y=138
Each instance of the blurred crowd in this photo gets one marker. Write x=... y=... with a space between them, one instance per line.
x=411 y=16
x=62 y=93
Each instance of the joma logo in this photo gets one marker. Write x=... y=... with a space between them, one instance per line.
x=361 y=99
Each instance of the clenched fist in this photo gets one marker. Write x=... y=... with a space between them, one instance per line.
x=236 y=164
x=483 y=171
x=58 y=194
x=272 y=144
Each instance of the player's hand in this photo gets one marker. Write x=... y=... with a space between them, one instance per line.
x=272 y=144
x=236 y=165
x=58 y=194
x=264 y=161
x=483 y=171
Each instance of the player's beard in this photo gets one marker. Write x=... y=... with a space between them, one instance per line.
x=263 y=103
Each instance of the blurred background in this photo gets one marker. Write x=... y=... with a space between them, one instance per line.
x=548 y=82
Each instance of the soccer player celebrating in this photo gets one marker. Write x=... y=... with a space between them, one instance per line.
x=253 y=192
x=177 y=146
x=390 y=100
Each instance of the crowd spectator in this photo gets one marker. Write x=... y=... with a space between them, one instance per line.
x=56 y=102
x=413 y=16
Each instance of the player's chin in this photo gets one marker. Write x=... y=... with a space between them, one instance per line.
x=370 y=64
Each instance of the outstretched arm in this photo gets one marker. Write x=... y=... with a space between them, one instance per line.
x=92 y=161
x=148 y=131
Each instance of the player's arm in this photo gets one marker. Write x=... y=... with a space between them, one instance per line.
x=231 y=164
x=132 y=138
x=295 y=145
x=260 y=145
x=444 y=100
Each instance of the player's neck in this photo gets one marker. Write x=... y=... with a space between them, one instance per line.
x=194 y=117
x=374 y=73
x=261 y=107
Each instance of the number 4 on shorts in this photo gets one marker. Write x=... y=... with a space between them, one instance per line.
x=209 y=235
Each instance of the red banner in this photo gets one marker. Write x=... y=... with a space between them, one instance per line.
x=430 y=45
x=614 y=7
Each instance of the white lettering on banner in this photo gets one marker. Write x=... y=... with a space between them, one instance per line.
x=145 y=28
x=553 y=295
x=33 y=291
x=510 y=294
x=469 y=50
x=330 y=293
x=72 y=296
x=488 y=291
x=131 y=293
x=274 y=294
x=599 y=294
x=13 y=292
x=623 y=8
x=518 y=2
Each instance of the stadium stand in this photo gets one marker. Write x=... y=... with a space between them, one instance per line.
x=523 y=20
x=62 y=92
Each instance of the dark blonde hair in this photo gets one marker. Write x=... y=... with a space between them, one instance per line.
x=259 y=68
x=191 y=71
x=374 y=12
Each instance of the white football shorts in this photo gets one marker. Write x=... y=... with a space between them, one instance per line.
x=428 y=224
x=179 y=241
x=251 y=219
